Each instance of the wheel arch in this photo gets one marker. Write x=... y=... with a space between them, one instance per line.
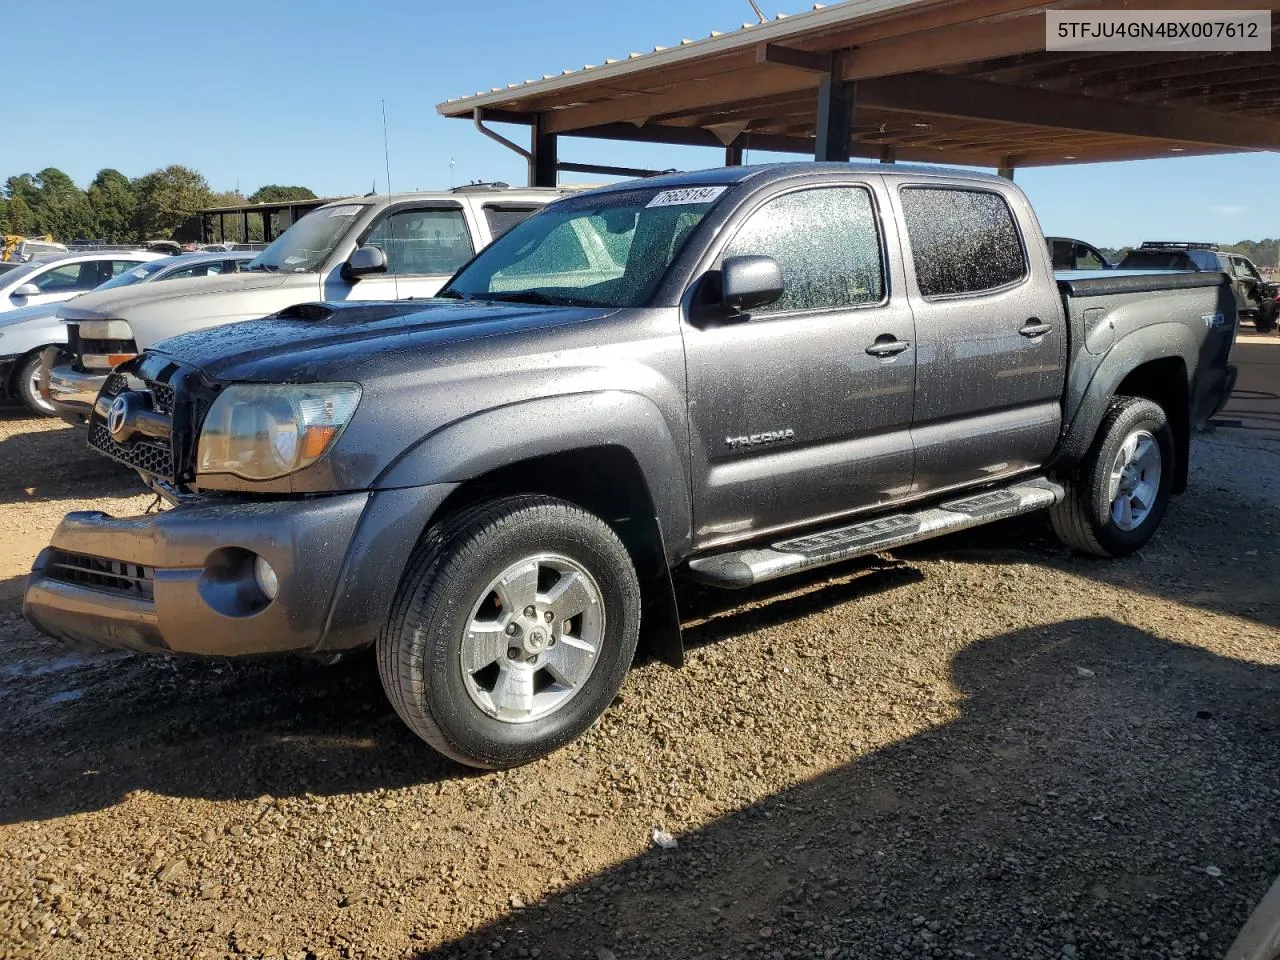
x=611 y=453
x=1156 y=363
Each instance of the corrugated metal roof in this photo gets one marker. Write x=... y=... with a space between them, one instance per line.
x=782 y=27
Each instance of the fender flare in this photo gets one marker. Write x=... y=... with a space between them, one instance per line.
x=1159 y=341
x=502 y=436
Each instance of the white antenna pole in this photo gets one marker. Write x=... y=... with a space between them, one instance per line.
x=391 y=241
x=756 y=7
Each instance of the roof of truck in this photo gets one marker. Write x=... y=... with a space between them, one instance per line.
x=768 y=172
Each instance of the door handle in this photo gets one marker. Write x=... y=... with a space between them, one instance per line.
x=1034 y=328
x=887 y=345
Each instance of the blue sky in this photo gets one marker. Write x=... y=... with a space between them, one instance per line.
x=287 y=91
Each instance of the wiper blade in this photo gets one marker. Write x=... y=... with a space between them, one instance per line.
x=527 y=296
x=264 y=267
x=449 y=295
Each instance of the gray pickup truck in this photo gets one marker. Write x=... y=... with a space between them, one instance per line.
x=775 y=368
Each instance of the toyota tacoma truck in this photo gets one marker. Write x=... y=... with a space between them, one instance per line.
x=777 y=368
x=376 y=247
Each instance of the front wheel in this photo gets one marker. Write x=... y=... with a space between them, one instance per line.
x=1265 y=321
x=27 y=381
x=1119 y=494
x=514 y=626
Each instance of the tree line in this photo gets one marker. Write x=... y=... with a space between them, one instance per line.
x=116 y=209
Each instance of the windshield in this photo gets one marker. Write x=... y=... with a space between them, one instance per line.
x=607 y=250
x=305 y=246
x=135 y=275
x=18 y=275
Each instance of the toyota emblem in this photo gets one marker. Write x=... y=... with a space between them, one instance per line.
x=116 y=415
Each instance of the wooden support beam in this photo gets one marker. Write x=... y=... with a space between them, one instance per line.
x=834 y=126
x=688 y=98
x=941 y=95
x=790 y=57
x=543 y=159
x=733 y=155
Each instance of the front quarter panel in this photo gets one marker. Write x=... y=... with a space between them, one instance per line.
x=17 y=339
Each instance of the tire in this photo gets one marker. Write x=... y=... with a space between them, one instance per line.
x=452 y=592
x=1089 y=519
x=24 y=380
x=1265 y=321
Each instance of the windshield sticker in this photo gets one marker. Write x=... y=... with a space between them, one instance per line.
x=671 y=198
x=294 y=259
x=138 y=272
x=347 y=210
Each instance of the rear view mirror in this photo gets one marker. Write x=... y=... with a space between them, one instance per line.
x=749 y=281
x=364 y=261
x=27 y=290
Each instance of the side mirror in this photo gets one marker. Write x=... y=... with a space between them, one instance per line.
x=364 y=261
x=749 y=281
x=27 y=290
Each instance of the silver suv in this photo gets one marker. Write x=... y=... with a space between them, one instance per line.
x=396 y=247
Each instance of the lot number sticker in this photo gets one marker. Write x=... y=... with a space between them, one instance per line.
x=671 y=198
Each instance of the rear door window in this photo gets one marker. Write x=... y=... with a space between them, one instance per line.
x=826 y=242
x=502 y=217
x=963 y=241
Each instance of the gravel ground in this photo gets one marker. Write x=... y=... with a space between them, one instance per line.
x=980 y=747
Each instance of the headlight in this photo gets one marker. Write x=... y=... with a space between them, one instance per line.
x=260 y=432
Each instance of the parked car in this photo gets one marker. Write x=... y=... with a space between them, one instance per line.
x=62 y=276
x=366 y=248
x=1069 y=254
x=737 y=375
x=33 y=338
x=1255 y=295
x=28 y=250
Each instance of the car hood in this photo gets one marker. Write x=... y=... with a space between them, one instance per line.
x=22 y=314
x=317 y=341
x=116 y=303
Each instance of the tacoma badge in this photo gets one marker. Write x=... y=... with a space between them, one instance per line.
x=756 y=439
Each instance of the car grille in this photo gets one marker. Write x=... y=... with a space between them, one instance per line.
x=99 y=573
x=151 y=456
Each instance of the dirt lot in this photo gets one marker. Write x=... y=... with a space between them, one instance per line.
x=979 y=748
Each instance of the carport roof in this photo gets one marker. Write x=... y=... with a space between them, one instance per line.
x=952 y=81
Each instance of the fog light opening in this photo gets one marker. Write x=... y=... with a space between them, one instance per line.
x=265 y=577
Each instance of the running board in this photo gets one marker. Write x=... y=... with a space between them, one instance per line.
x=744 y=568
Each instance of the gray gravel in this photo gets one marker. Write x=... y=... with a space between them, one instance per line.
x=981 y=747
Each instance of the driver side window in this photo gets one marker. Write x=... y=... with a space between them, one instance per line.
x=423 y=243
x=827 y=244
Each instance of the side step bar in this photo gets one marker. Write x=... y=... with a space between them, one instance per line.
x=744 y=568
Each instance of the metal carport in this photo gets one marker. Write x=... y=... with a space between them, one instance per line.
x=944 y=81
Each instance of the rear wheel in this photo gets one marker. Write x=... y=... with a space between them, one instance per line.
x=513 y=629
x=27 y=382
x=1119 y=495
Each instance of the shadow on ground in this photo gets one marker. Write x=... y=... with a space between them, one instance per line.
x=1062 y=809
x=43 y=464
x=238 y=729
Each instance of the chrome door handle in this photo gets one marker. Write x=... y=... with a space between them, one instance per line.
x=888 y=346
x=1034 y=328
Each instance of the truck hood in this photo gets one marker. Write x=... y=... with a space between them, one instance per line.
x=317 y=341
x=117 y=303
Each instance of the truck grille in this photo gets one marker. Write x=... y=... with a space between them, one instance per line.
x=99 y=573
x=150 y=456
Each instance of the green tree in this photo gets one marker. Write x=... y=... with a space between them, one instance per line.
x=61 y=208
x=113 y=205
x=24 y=186
x=274 y=193
x=4 y=216
x=21 y=219
x=228 y=198
x=167 y=203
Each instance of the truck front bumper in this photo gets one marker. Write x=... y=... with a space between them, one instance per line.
x=70 y=391
x=183 y=581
